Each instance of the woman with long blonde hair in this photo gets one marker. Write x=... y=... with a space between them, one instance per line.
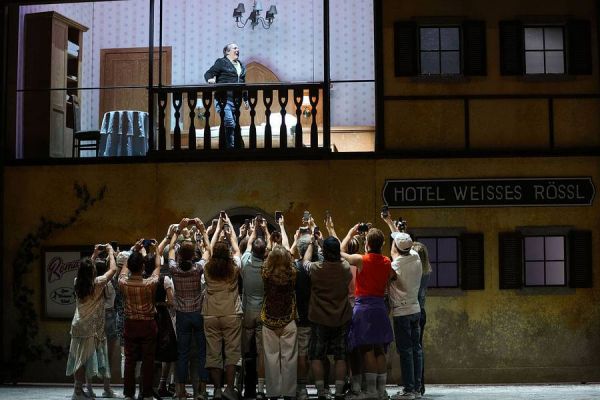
x=278 y=316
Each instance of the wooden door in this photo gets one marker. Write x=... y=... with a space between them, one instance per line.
x=129 y=67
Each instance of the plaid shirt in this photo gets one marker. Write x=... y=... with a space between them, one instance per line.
x=138 y=296
x=188 y=289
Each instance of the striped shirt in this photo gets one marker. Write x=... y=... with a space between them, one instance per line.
x=188 y=289
x=138 y=296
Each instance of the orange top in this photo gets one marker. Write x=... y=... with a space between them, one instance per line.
x=373 y=277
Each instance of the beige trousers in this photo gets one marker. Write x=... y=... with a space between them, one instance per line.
x=281 y=355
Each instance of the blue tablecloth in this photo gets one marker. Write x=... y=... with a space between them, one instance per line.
x=124 y=133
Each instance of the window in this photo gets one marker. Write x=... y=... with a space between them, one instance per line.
x=545 y=261
x=443 y=257
x=439 y=50
x=456 y=257
x=545 y=256
x=544 y=50
x=455 y=48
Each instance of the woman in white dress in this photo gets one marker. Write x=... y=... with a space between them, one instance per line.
x=88 y=353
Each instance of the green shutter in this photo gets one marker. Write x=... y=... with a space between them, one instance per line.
x=580 y=259
x=472 y=275
x=405 y=48
x=511 y=48
x=511 y=260
x=579 y=47
x=474 y=48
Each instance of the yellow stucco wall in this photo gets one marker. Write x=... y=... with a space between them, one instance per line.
x=495 y=124
x=477 y=336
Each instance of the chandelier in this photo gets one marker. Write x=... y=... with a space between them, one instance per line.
x=254 y=17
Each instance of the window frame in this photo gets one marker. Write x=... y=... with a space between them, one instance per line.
x=544 y=50
x=437 y=263
x=460 y=50
x=545 y=260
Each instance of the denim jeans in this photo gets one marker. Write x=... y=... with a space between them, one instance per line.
x=228 y=121
x=190 y=324
x=408 y=334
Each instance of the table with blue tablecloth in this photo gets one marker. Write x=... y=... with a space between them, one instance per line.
x=124 y=133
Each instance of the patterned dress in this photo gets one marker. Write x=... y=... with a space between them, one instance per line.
x=88 y=341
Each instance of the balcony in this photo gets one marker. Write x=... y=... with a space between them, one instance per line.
x=281 y=117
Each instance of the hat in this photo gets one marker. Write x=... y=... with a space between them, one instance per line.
x=402 y=240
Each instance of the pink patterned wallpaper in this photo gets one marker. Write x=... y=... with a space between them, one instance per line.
x=198 y=30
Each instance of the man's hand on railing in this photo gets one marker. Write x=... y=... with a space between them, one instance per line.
x=212 y=80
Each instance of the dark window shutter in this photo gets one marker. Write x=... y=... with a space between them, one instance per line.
x=474 y=48
x=579 y=47
x=511 y=48
x=511 y=260
x=405 y=48
x=580 y=259
x=471 y=258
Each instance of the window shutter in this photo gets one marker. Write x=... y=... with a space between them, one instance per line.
x=511 y=260
x=471 y=258
x=579 y=47
x=405 y=48
x=580 y=259
x=474 y=48
x=511 y=48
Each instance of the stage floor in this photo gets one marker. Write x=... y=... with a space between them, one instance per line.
x=434 y=392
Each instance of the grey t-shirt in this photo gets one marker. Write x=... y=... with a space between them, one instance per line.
x=253 y=293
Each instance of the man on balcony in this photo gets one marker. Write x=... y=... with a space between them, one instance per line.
x=229 y=69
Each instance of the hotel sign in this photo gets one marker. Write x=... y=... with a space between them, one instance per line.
x=496 y=192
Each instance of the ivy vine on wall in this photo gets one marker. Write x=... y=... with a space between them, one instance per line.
x=26 y=346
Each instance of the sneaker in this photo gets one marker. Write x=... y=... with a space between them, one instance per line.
x=417 y=394
x=79 y=396
x=403 y=396
x=260 y=396
x=109 y=393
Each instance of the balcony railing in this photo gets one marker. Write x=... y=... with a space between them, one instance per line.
x=195 y=118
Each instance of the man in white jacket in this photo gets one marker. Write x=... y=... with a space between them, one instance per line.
x=403 y=294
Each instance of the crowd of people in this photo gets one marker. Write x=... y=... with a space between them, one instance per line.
x=250 y=309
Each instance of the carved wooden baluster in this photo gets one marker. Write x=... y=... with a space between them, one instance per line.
x=238 y=142
x=162 y=105
x=298 y=97
x=313 y=97
x=177 y=131
x=268 y=101
x=221 y=99
x=283 y=100
x=252 y=100
x=207 y=102
x=192 y=99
